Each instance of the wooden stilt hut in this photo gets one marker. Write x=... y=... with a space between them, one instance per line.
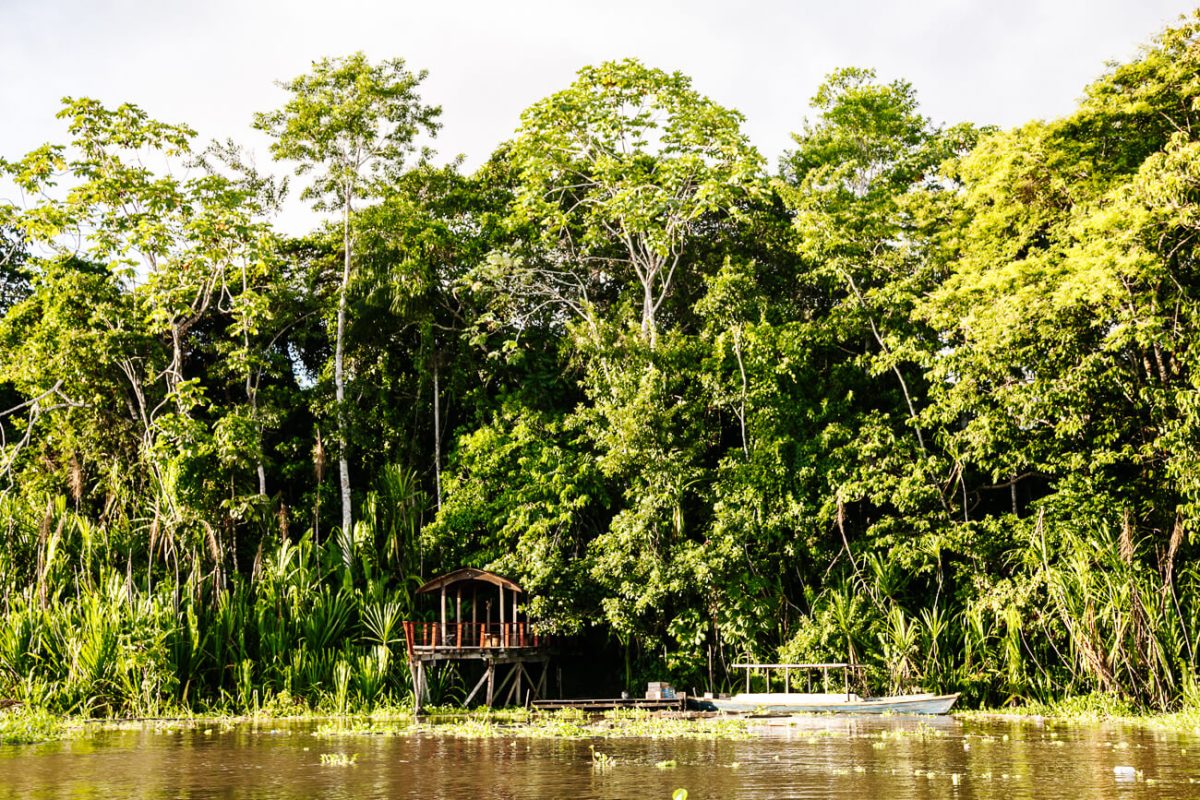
x=479 y=618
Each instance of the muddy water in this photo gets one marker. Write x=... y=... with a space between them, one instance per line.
x=877 y=759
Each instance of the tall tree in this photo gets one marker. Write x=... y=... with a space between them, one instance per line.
x=618 y=170
x=138 y=255
x=353 y=125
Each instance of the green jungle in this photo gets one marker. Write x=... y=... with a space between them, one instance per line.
x=924 y=397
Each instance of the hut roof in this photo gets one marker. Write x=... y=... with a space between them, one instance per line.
x=469 y=574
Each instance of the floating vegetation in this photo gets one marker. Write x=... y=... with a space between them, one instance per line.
x=31 y=725
x=339 y=759
x=564 y=724
x=601 y=762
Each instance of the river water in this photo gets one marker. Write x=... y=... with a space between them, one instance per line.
x=827 y=757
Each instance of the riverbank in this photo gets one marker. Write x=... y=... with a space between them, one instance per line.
x=23 y=725
x=1091 y=709
x=32 y=726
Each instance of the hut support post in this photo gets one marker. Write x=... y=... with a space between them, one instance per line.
x=443 y=615
x=418 y=686
x=512 y=673
x=483 y=679
x=514 y=694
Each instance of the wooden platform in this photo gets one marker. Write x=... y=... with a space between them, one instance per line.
x=468 y=633
x=678 y=703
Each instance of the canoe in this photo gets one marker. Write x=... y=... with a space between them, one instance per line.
x=840 y=703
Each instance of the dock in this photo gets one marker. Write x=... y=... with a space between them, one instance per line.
x=678 y=703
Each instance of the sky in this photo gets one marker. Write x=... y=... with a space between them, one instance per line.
x=213 y=63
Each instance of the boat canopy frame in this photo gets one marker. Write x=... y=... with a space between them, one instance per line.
x=804 y=668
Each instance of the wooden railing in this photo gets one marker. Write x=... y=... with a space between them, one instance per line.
x=428 y=636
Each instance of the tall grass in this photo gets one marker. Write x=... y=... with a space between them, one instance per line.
x=1078 y=608
x=82 y=633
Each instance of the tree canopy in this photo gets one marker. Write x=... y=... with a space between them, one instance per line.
x=922 y=397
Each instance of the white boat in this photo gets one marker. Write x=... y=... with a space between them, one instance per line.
x=825 y=702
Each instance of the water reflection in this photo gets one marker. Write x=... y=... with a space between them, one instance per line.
x=839 y=757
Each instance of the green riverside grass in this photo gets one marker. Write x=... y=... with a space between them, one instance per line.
x=1094 y=709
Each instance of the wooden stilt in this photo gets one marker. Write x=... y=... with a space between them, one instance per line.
x=483 y=679
x=504 y=685
x=418 y=686
x=491 y=683
x=514 y=694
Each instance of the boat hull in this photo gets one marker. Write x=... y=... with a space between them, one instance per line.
x=797 y=704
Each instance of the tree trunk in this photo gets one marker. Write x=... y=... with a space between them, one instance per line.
x=339 y=374
x=252 y=395
x=649 y=332
x=437 y=434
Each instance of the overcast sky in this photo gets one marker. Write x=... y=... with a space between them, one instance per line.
x=213 y=63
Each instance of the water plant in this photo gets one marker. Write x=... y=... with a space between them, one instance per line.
x=23 y=725
x=339 y=759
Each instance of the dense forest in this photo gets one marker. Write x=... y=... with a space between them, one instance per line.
x=920 y=396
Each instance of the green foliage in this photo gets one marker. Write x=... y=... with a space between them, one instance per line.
x=350 y=122
x=617 y=173
x=926 y=400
